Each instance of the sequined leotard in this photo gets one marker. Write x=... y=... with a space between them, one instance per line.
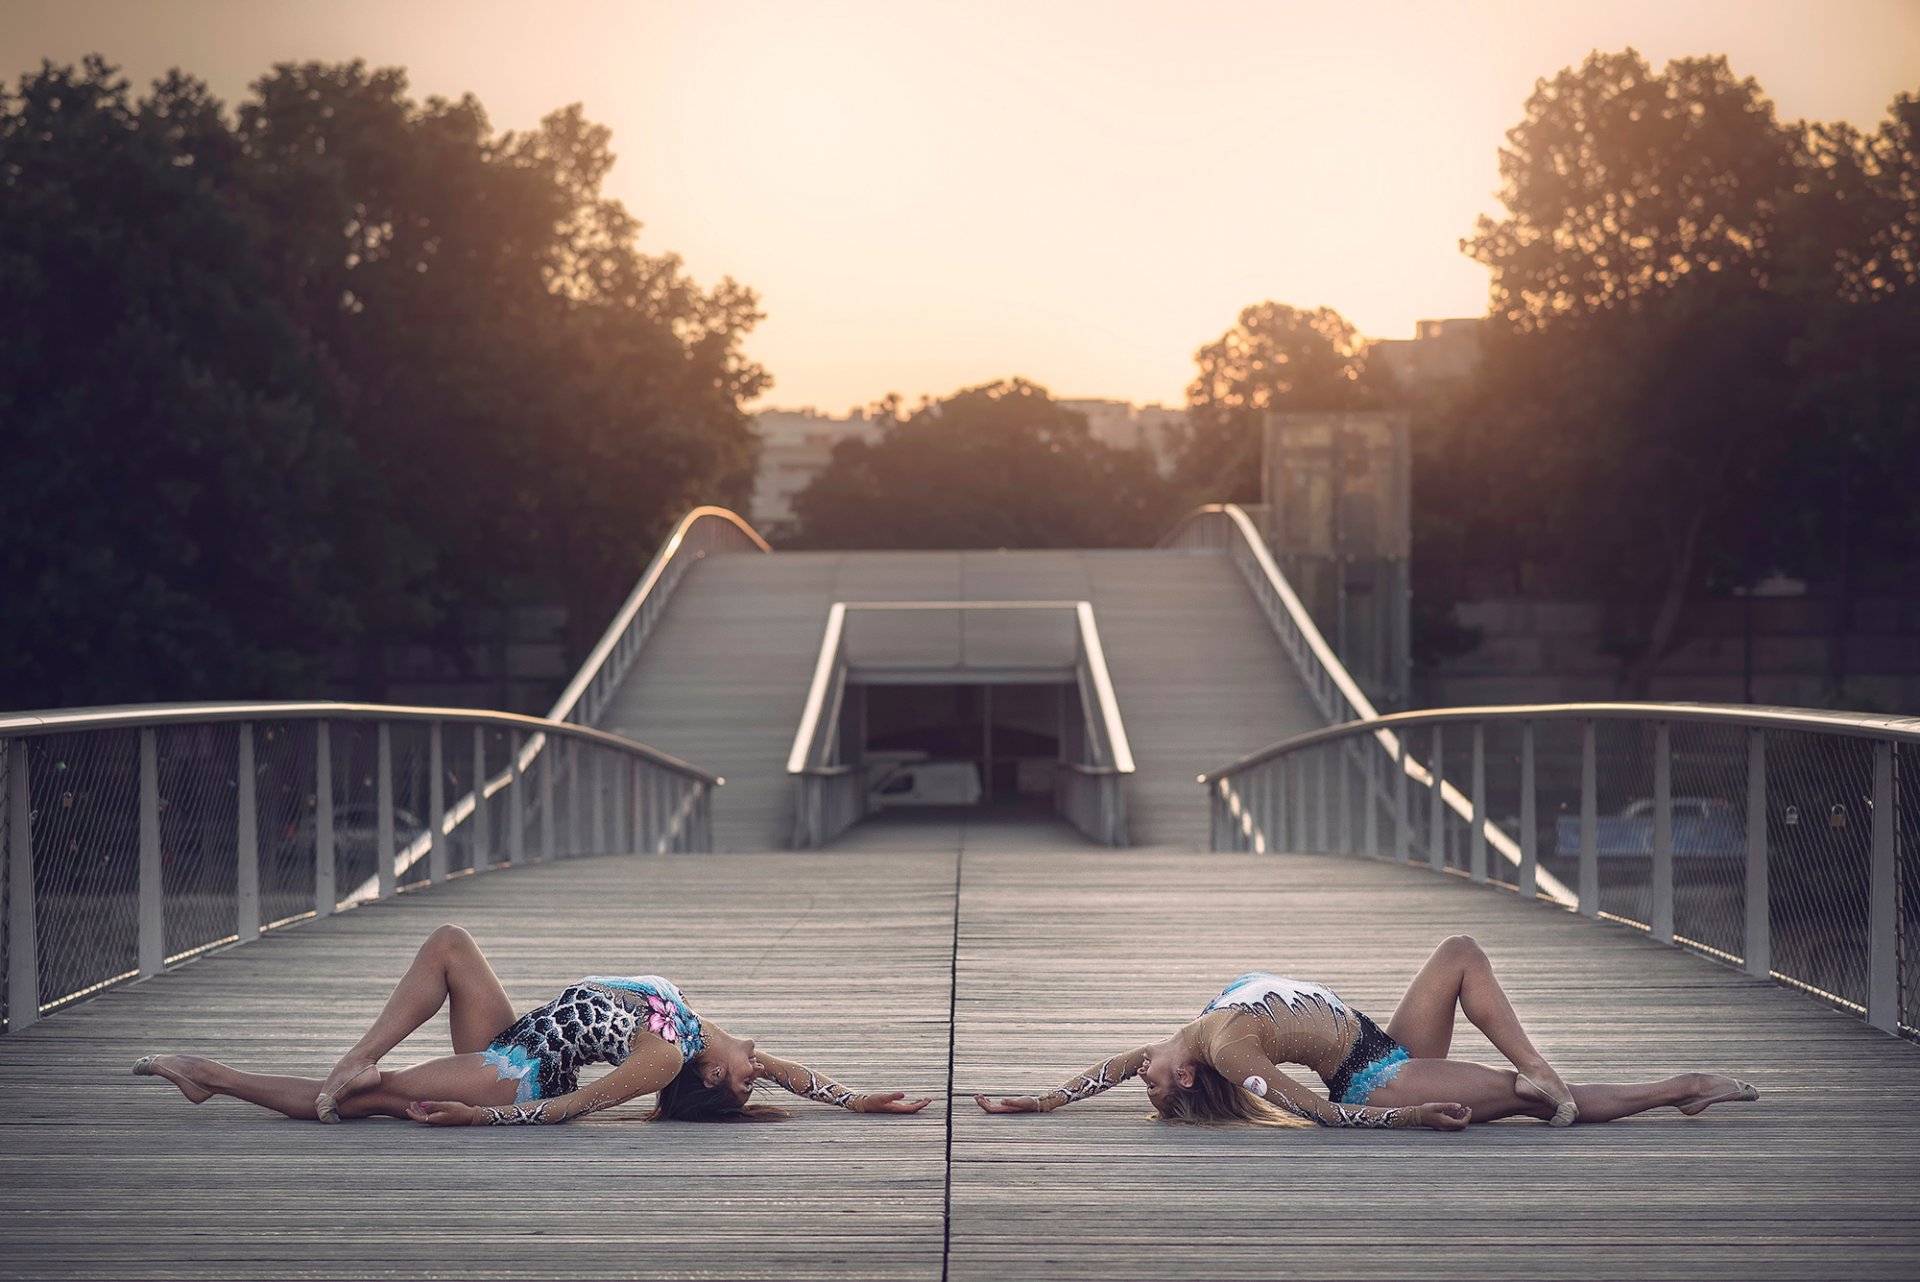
x=591 y=1022
x=1268 y=1021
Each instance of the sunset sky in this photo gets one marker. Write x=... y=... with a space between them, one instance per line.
x=928 y=196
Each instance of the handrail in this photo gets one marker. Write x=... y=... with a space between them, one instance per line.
x=1116 y=731
x=823 y=676
x=607 y=662
x=1813 y=720
x=1774 y=887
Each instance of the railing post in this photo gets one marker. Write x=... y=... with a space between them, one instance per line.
x=576 y=811
x=1370 y=749
x=153 y=937
x=23 y=952
x=383 y=806
x=1342 y=796
x=1402 y=821
x=436 y=805
x=1662 y=923
x=1297 y=771
x=1215 y=815
x=1322 y=802
x=1529 y=817
x=1436 y=808
x=1759 y=937
x=516 y=803
x=1589 y=822
x=246 y=871
x=325 y=895
x=1883 y=921
x=1477 y=843
x=599 y=788
x=482 y=839
x=549 y=762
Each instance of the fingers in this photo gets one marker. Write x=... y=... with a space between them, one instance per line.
x=1017 y=1104
x=437 y=1112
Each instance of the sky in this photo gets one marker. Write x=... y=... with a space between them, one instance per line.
x=930 y=196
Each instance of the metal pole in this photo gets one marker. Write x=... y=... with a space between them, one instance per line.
x=599 y=788
x=1297 y=770
x=1759 y=940
x=516 y=803
x=1322 y=801
x=23 y=953
x=1342 y=800
x=1402 y=819
x=549 y=760
x=1436 y=810
x=1371 y=751
x=1529 y=817
x=1477 y=845
x=576 y=812
x=383 y=851
x=246 y=871
x=325 y=895
x=1589 y=822
x=153 y=936
x=1883 y=922
x=436 y=805
x=482 y=839
x=1662 y=923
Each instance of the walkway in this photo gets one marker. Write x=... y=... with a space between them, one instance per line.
x=848 y=960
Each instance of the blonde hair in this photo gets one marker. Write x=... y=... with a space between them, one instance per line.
x=687 y=1098
x=1214 y=1101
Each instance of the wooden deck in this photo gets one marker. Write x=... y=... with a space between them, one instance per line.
x=849 y=960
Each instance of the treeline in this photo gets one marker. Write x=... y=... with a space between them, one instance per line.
x=1701 y=368
x=317 y=372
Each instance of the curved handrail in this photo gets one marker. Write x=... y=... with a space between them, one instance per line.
x=616 y=644
x=1814 y=720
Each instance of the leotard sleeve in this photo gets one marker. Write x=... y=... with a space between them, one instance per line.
x=805 y=1082
x=1104 y=1076
x=651 y=1065
x=1242 y=1062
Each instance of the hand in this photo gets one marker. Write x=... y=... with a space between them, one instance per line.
x=439 y=1112
x=890 y=1102
x=1444 y=1117
x=1015 y=1104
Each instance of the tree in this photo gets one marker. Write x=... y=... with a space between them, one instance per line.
x=1276 y=357
x=175 y=474
x=999 y=465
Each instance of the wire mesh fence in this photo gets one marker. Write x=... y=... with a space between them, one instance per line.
x=134 y=842
x=1787 y=844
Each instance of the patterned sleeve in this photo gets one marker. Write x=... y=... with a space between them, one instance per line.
x=1243 y=1064
x=805 y=1082
x=1104 y=1076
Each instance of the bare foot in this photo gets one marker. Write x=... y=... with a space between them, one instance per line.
x=176 y=1069
x=1711 y=1088
x=1540 y=1083
x=349 y=1077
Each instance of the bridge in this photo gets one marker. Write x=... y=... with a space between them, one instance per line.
x=1178 y=781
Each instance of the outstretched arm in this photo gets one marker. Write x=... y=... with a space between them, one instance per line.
x=1243 y=1064
x=1104 y=1076
x=804 y=1081
x=652 y=1064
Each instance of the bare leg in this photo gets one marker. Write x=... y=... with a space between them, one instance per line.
x=1459 y=975
x=449 y=970
x=1494 y=1093
x=467 y=1078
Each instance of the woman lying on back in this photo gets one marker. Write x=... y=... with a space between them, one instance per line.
x=1224 y=1066
x=506 y=1071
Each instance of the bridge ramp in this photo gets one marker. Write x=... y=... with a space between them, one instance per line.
x=1197 y=671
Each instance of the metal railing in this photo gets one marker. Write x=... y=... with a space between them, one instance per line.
x=135 y=838
x=703 y=532
x=830 y=793
x=1782 y=841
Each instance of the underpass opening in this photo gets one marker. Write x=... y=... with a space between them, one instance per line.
x=991 y=745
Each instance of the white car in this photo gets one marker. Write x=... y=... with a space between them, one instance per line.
x=924 y=783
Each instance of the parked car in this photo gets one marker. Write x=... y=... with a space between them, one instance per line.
x=1701 y=826
x=923 y=783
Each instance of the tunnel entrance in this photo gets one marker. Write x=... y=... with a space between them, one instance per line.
x=995 y=745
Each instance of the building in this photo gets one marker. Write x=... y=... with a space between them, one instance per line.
x=1125 y=426
x=1440 y=350
x=795 y=447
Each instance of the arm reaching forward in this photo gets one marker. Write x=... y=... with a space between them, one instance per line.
x=1104 y=1076
x=805 y=1082
x=652 y=1064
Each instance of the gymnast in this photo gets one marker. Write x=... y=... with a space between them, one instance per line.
x=507 y=1071
x=1223 y=1067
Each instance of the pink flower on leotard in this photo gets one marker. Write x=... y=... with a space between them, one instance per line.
x=660 y=1019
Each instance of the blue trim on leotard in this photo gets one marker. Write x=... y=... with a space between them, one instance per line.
x=1375 y=1075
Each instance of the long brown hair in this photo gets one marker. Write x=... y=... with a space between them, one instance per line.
x=1214 y=1101
x=687 y=1098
